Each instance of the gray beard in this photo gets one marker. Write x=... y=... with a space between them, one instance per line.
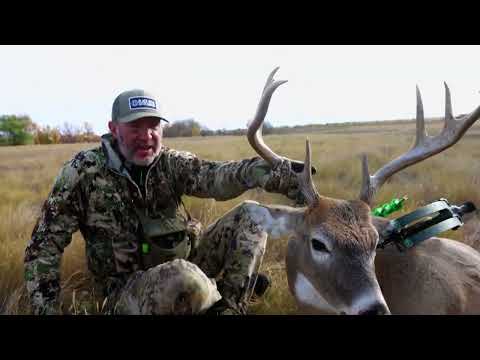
x=129 y=154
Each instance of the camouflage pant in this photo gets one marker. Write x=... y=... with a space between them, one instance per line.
x=229 y=253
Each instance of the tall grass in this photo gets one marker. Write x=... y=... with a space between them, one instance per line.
x=27 y=174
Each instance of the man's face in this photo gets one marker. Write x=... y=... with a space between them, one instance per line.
x=140 y=140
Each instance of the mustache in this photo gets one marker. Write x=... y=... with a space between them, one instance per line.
x=144 y=146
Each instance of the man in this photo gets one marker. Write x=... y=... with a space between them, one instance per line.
x=146 y=253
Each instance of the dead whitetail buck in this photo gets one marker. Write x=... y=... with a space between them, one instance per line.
x=332 y=262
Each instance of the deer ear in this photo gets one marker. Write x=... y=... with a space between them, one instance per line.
x=278 y=220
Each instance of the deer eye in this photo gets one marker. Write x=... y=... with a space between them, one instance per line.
x=319 y=246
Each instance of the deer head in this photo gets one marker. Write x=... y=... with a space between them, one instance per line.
x=331 y=252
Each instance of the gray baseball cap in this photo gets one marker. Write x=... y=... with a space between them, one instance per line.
x=135 y=104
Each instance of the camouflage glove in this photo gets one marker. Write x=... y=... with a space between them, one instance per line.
x=282 y=179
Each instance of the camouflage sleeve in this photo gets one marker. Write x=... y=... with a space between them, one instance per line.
x=224 y=180
x=52 y=233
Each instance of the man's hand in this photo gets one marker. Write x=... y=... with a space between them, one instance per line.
x=298 y=166
x=282 y=179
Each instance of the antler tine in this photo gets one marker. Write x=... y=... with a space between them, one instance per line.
x=449 y=119
x=270 y=78
x=421 y=133
x=365 y=192
x=424 y=147
x=306 y=183
x=454 y=129
x=254 y=131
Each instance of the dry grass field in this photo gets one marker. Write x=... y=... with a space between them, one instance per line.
x=27 y=174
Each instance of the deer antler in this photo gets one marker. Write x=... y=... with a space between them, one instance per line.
x=254 y=135
x=307 y=186
x=254 y=131
x=424 y=147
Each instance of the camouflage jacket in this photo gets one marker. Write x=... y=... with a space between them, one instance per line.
x=95 y=194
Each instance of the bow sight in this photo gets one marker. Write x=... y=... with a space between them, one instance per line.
x=425 y=222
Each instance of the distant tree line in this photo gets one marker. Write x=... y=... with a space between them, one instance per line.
x=183 y=128
x=21 y=130
x=190 y=127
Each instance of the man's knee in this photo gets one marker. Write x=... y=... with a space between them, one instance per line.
x=248 y=212
x=248 y=206
x=175 y=287
x=252 y=218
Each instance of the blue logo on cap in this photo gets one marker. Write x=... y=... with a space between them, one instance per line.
x=142 y=102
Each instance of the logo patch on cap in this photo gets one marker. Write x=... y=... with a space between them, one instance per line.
x=142 y=102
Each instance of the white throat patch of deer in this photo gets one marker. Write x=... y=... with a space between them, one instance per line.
x=332 y=262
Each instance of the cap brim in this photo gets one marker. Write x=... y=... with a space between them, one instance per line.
x=138 y=115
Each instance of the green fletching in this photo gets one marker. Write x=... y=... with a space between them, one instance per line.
x=390 y=207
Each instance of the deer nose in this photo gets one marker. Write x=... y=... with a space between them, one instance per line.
x=376 y=309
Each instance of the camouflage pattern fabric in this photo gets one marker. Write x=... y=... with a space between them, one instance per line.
x=176 y=287
x=231 y=249
x=95 y=194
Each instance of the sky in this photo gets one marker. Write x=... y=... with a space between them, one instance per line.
x=220 y=85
